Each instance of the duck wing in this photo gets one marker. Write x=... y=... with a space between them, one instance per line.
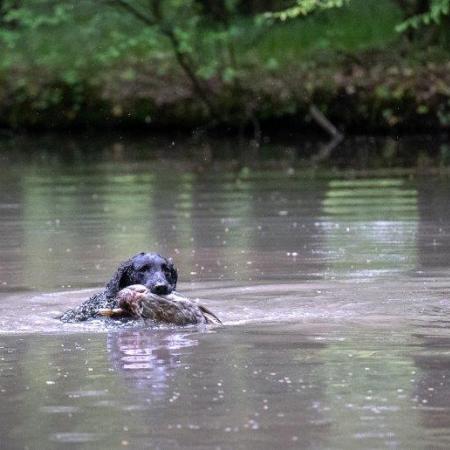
x=209 y=316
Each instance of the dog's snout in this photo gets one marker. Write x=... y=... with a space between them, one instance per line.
x=160 y=289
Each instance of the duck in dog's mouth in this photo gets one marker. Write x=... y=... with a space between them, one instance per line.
x=138 y=302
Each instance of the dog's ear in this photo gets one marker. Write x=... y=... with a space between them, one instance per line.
x=173 y=272
x=119 y=279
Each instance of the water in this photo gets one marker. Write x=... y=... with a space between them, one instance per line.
x=334 y=289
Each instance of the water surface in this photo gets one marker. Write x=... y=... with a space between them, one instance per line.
x=333 y=288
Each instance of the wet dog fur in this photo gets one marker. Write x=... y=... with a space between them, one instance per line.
x=150 y=269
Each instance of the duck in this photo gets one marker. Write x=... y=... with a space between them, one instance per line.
x=137 y=302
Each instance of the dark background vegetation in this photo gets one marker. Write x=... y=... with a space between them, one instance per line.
x=366 y=65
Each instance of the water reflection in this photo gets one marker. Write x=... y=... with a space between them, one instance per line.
x=333 y=289
x=148 y=359
x=370 y=226
x=73 y=229
x=433 y=240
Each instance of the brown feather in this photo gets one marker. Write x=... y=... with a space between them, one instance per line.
x=138 y=302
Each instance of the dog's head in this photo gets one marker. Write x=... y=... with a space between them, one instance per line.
x=150 y=269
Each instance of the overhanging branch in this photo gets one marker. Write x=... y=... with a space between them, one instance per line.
x=136 y=13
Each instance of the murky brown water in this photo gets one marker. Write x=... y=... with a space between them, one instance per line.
x=334 y=291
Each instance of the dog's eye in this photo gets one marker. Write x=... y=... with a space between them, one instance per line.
x=144 y=268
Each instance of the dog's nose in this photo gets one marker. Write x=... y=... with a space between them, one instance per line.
x=160 y=289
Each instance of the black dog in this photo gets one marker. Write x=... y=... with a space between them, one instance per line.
x=150 y=269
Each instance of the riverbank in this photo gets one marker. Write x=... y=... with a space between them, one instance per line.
x=370 y=95
x=350 y=63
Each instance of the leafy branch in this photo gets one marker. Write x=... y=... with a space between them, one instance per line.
x=154 y=17
x=435 y=15
x=305 y=7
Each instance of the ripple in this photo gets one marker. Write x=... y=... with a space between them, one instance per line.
x=93 y=393
x=59 y=409
x=76 y=437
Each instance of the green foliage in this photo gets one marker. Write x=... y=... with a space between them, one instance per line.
x=73 y=41
x=51 y=50
x=358 y=26
x=78 y=40
x=434 y=16
x=26 y=17
x=305 y=7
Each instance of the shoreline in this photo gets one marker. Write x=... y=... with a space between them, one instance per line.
x=294 y=154
x=367 y=99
